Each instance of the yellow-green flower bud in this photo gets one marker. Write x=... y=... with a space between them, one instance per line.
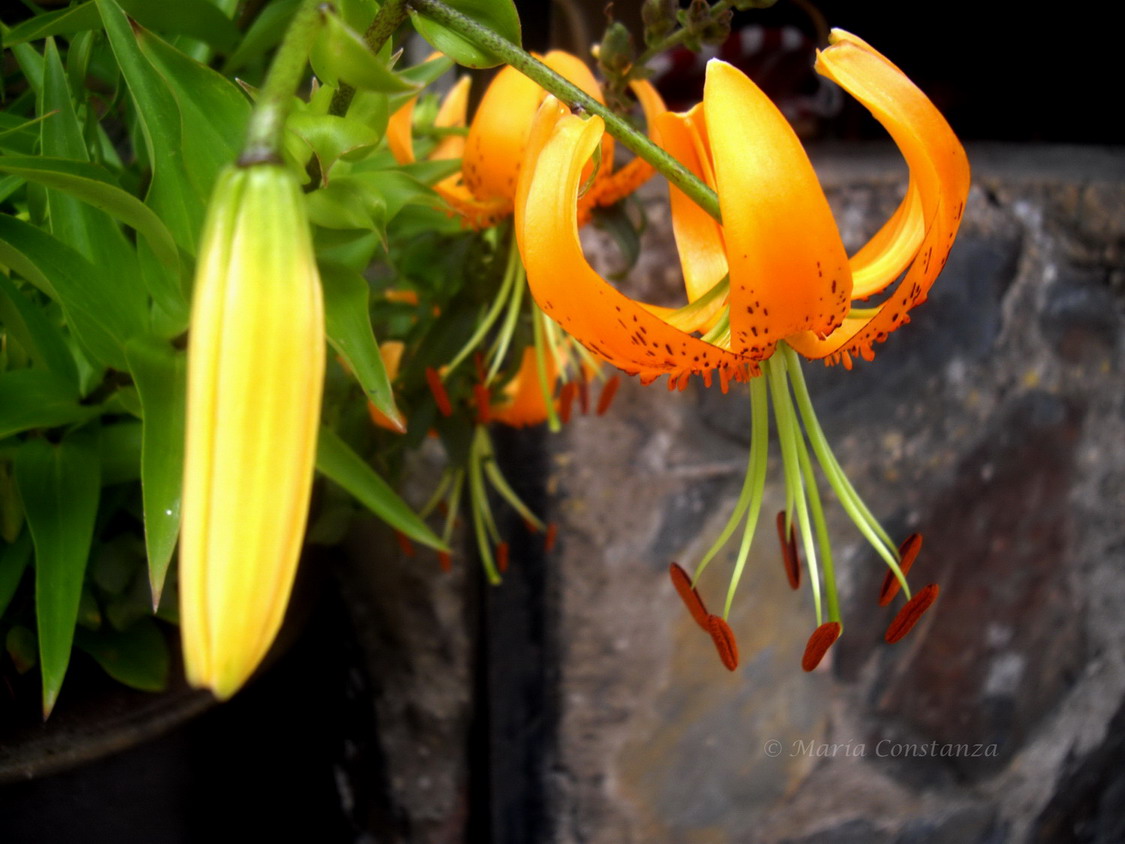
x=255 y=377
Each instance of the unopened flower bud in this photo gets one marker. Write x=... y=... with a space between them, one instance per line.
x=255 y=377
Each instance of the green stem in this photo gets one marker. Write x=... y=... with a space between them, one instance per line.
x=387 y=21
x=266 y=132
x=573 y=96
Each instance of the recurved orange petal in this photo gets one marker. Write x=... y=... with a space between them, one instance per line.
x=610 y=324
x=788 y=269
x=939 y=172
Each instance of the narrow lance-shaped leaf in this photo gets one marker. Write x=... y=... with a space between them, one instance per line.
x=97 y=316
x=172 y=194
x=136 y=656
x=36 y=398
x=92 y=185
x=159 y=371
x=498 y=15
x=348 y=324
x=14 y=558
x=340 y=53
x=27 y=323
x=59 y=485
x=336 y=461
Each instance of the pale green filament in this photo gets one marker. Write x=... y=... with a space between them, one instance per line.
x=512 y=281
x=755 y=477
x=508 y=328
x=500 y=483
x=788 y=433
x=859 y=513
x=537 y=320
x=483 y=525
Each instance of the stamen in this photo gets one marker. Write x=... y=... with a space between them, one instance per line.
x=566 y=399
x=689 y=596
x=404 y=544
x=725 y=644
x=441 y=397
x=552 y=533
x=910 y=613
x=502 y=557
x=789 y=554
x=819 y=642
x=605 y=398
x=584 y=395
x=483 y=402
x=909 y=552
x=445 y=560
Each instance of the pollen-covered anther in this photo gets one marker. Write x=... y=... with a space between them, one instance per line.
x=605 y=398
x=445 y=560
x=789 y=551
x=819 y=642
x=551 y=537
x=502 y=557
x=910 y=613
x=566 y=400
x=689 y=596
x=483 y=400
x=724 y=640
x=404 y=544
x=907 y=553
x=441 y=397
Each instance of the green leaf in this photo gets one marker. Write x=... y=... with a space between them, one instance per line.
x=198 y=19
x=336 y=460
x=137 y=656
x=340 y=53
x=94 y=186
x=27 y=323
x=159 y=371
x=119 y=445
x=36 y=398
x=348 y=322
x=348 y=202
x=498 y=15
x=20 y=645
x=60 y=22
x=59 y=485
x=98 y=315
x=13 y=560
x=332 y=138
x=263 y=35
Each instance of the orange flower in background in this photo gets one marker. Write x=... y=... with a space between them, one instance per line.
x=493 y=151
x=772 y=280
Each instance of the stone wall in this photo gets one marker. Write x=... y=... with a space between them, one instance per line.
x=578 y=702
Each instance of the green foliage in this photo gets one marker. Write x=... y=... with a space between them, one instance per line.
x=500 y=16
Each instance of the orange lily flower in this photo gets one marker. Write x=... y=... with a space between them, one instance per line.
x=772 y=280
x=493 y=151
x=789 y=276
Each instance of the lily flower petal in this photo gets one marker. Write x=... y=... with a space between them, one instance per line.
x=788 y=269
x=608 y=323
x=939 y=173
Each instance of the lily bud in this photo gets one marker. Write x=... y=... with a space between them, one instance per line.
x=255 y=377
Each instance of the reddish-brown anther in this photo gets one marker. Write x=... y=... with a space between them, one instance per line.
x=502 y=557
x=552 y=534
x=789 y=551
x=689 y=596
x=910 y=613
x=605 y=398
x=819 y=642
x=404 y=543
x=907 y=553
x=484 y=404
x=445 y=560
x=723 y=638
x=584 y=395
x=566 y=399
x=441 y=397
